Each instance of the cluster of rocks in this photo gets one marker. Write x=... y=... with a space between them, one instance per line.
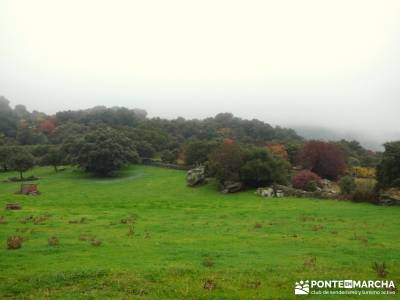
x=270 y=192
x=390 y=197
x=286 y=191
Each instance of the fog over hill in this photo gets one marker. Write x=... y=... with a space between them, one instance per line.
x=370 y=140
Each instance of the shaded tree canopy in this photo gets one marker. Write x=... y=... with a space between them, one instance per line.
x=388 y=171
x=103 y=151
x=22 y=161
x=261 y=168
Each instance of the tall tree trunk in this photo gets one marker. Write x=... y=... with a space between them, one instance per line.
x=20 y=174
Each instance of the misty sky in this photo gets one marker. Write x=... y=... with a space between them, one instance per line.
x=333 y=63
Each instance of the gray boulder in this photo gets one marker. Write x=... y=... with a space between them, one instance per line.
x=196 y=176
x=265 y=192
x=231 y=187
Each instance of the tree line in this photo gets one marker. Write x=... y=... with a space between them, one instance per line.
x=101 y=140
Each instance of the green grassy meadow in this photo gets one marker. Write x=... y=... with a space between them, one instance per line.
x=163 y=240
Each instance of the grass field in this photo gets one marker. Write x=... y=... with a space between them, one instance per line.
x=163 y=240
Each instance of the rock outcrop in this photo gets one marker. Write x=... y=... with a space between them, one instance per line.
x=196 y=177
x=390 y=197
x=231 y=187
x=286 y=191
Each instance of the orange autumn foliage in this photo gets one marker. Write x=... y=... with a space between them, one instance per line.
x=278 y=150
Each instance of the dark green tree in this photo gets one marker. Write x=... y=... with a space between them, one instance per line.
x=388 y=171
x=144 y=149
x=261 y=168
x=30 y=136
x=54 y=158
x=8 y=119
x=22 y=161
x=5 y=155
x=103 y=151
x=197 y=152
x=169 y=156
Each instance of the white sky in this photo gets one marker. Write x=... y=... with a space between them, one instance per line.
x=332 y=63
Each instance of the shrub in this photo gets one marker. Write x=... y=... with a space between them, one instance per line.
x=365 y=192
x=347 y=185
x=306 y=180
x=14 y=242
x=325 y=159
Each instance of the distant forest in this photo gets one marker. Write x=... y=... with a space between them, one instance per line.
x=153 y=137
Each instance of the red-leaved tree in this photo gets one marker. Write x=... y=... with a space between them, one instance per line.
x=48 y=125
x=325 y=159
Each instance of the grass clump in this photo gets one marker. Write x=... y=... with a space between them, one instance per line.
x=14 y=242
x=53 y=241
x=96 y=242
x=380 y=269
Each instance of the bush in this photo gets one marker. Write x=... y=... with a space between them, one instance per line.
x=306 y=180
x=365 y=192
x=347 y=185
